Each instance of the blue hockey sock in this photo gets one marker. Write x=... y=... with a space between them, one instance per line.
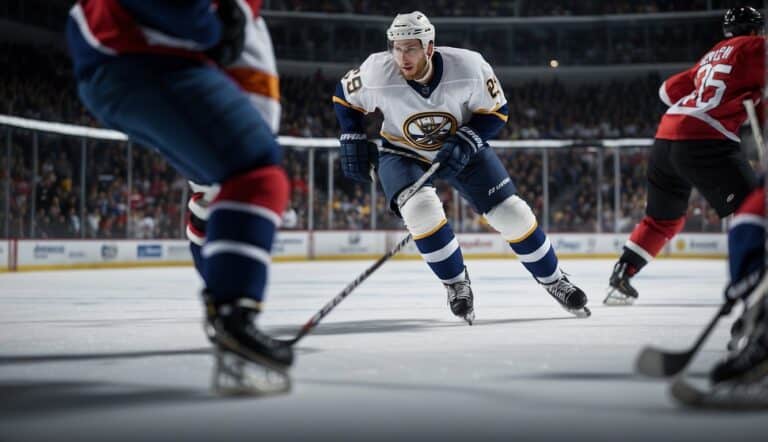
x=441 y=251
x=538 y=256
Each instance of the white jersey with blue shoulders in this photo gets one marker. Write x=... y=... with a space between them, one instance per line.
x=419 y=117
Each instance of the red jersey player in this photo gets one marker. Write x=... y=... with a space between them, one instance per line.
x=697 y=144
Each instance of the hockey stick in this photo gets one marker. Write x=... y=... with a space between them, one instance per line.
x=749 y=105
x=404 y=196
x=661 y=363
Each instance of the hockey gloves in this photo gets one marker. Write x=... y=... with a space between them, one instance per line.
x=358 y=157
x=232 y=41
x=457 y=150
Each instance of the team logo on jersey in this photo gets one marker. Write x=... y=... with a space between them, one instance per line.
x=428 y=130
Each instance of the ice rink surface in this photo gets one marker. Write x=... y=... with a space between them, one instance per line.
x=108 y=355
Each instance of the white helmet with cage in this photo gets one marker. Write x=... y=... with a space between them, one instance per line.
x=413 y=25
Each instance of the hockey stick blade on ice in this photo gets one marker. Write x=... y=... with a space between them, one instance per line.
x=661 y=363
x=404 y=196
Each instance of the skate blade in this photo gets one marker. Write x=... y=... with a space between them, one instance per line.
x=470 y=318
x=616 y=298
x=234 y=375
x=583 y=312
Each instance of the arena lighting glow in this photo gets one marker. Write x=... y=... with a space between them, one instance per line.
x=554 y=63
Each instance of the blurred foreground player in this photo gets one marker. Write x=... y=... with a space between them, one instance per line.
x=697 y=144
x=442 y=104
x=746 y=255
x=153 y=70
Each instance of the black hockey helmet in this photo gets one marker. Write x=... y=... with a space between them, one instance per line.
x=742 y=21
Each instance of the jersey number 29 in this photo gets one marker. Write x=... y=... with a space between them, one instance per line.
x=354 y=82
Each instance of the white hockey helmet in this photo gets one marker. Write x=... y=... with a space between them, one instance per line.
x=413 y=25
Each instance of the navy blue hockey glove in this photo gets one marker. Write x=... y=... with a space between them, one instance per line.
x=232 y=41
x=457 y=150
x=358 y=157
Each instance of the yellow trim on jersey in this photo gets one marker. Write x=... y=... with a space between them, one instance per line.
x=396 y=139
x=493 y=112
x=525 y=235
x=431 y=232
x=344 y=103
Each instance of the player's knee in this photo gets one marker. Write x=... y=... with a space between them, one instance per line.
x=423 y=212
x=513 y=218
x=262 y=187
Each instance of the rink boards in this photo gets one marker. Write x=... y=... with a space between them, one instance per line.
x=23 y=254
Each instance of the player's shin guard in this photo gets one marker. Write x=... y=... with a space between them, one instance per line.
x=239 y=234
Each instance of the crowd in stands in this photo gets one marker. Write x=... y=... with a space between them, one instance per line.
x=600 y=7
x=499 y=8
x=51 y=14
x=45 y=195
x=51 y=206
x=517 y=43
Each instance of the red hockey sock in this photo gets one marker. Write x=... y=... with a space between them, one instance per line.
x=649 y=237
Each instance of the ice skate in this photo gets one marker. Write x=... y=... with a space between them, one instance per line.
x=620 y=291
x=570 y=297
x=248 y=362
x=749 y=365
x=460 y=298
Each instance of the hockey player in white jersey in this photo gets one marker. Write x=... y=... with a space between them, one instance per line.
x=442 y=104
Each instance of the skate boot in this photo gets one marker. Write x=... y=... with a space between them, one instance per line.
x=750 y=365
x=460 y=298
x=570 y=297
x=620 y=291
x=247 y=360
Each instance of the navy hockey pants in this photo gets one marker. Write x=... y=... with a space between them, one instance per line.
x=194 y=114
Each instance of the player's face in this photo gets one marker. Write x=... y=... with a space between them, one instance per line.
x=410 y=57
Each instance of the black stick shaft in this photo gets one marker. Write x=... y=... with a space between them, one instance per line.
x=323 y=312
x=711 y=326
x=405 y=195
